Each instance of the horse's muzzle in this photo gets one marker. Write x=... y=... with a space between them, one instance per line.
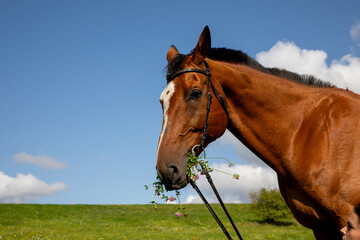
x=172 y=178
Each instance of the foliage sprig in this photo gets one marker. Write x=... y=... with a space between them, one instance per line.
x=196 y=165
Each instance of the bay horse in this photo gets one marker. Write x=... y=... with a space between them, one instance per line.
x=305 y=129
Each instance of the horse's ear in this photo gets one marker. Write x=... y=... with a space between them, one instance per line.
x=172 y=53
x=203 y=46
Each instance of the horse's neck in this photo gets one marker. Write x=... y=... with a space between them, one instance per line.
x=265 y=111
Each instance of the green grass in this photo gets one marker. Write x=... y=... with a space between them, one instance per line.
x=27 y=221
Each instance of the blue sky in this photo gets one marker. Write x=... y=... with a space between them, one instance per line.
x=80 y=83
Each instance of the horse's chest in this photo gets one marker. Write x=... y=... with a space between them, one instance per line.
x=300 y=205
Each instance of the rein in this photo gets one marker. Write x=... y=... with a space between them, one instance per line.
x=202 y=141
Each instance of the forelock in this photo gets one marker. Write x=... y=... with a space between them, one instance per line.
x=174 y=66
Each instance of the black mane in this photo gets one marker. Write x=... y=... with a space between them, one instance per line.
x=233 y=56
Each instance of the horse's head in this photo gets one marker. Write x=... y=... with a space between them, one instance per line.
x=184 y=103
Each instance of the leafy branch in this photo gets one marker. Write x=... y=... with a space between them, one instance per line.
x=196 y=165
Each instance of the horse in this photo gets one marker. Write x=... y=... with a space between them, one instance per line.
x=305 y=129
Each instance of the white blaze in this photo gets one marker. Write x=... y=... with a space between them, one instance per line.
x=165 y=98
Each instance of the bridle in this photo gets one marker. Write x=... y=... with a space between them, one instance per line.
x=208 y=83
x=221 y=99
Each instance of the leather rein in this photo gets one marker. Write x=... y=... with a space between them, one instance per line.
x=221 y=99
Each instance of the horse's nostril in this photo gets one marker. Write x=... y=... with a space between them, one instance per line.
x=173 y=170
x=174 y=174
x=171 y=177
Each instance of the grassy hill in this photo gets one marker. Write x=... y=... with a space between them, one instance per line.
x=31 y=221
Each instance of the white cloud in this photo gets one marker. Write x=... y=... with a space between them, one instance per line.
x=41 y=161
x=235 y=191
x=24 y=187
x=355 y=32
x=344 y=73
x=288 y=55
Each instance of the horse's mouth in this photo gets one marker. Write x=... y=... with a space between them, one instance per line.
x=176 y=186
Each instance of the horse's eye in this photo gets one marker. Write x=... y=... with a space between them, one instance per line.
x=195 y=94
